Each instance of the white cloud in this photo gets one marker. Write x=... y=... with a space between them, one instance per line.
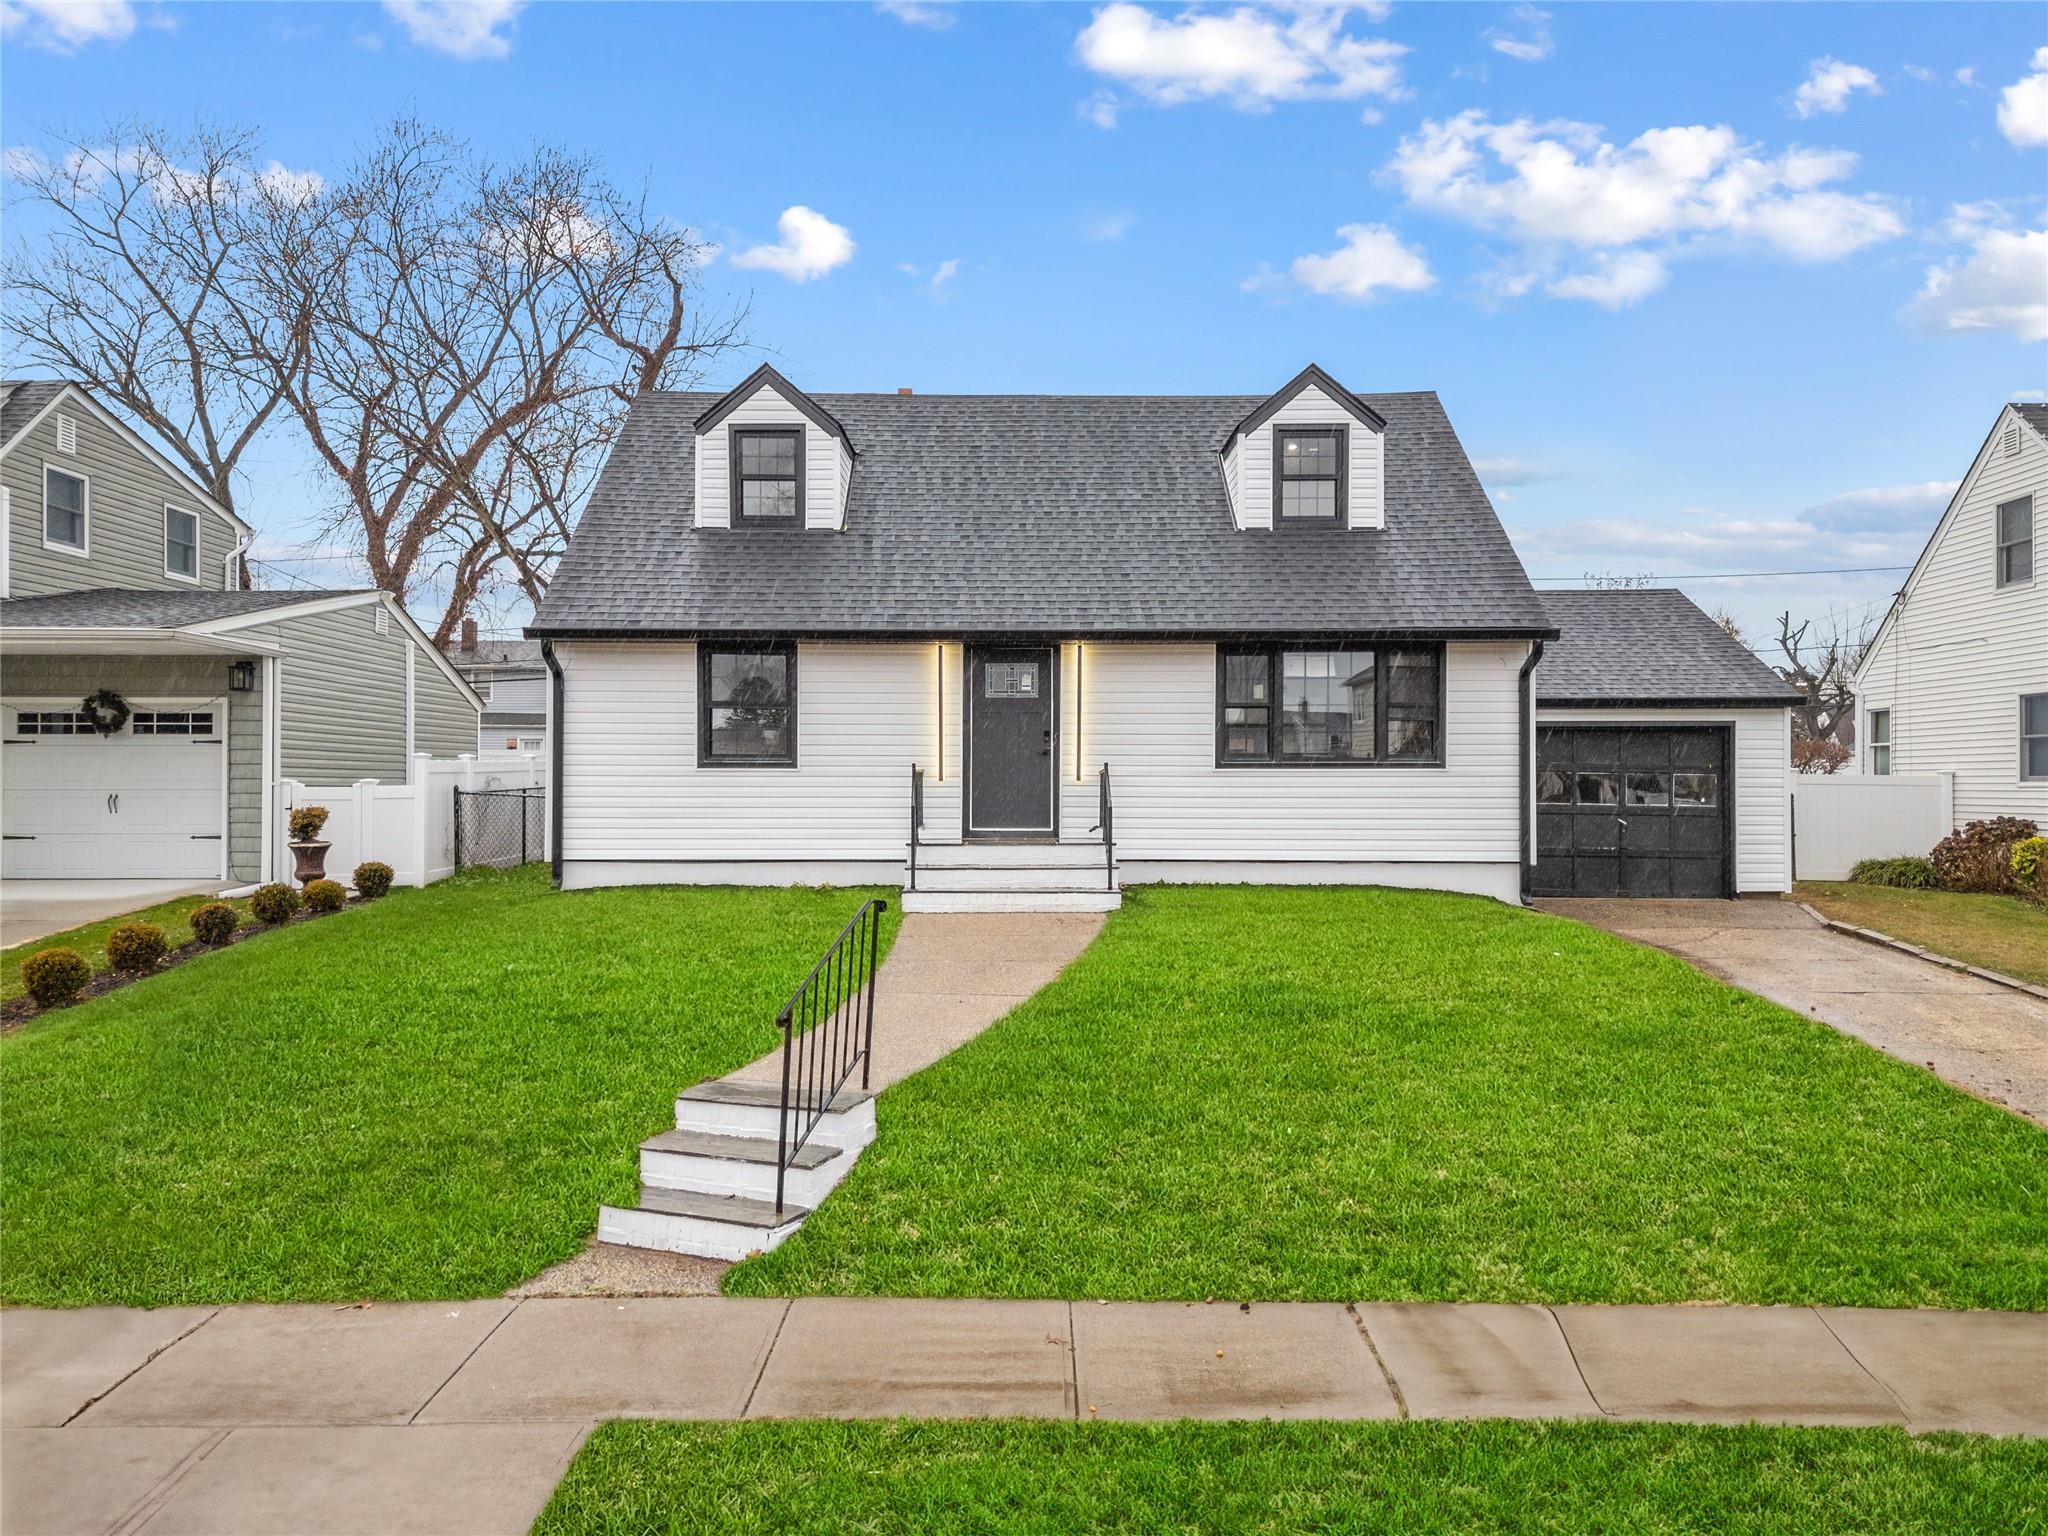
x=1105 y=228
x=1918 y=72
x=2000 y=285
x=462 y=29
x=289 y=185
x=1529 y=40
x=1371 y=259
x=946 y=271
x=1250 y=57
x=919 y=13
x=1883 y=509
x=811 y=245
x=1099 y=109
x=2023 y=106
x=1615 y=280
x=1828 y=86
x=1967 y=75
x=64 y=26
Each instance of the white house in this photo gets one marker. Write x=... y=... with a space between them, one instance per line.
x=1956 y=679
x=1015 y=650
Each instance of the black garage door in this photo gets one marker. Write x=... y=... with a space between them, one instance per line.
x=1632 y=811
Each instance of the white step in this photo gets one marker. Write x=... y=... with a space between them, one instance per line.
x=679 y=1221
x=740 y=1165
x=1093 y=900
x=1055 y=877
x=985 y=855
x=721 y=1108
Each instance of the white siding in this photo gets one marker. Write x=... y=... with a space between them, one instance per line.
x=1763 y=780
x=827 y=466
x=1958 y=650
x=1249 y=467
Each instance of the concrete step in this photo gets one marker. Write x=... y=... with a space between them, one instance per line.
x=709 y=1226
x=1094 y=900
x=1037 y=877
x=977 y=854
x=740 y=1165
x=721 y=1108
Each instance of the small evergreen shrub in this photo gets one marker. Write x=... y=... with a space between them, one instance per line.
x=55 y=976
x=306 y=822
x=372 y=880
x=2030 y=865
x=136 y=947
x=215 y=923
x=1979 y=857
x=324 y=896
x=1900 y=874
x=274 y=903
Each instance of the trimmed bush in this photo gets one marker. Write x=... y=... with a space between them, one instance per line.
x=1979 y=857
x=324 y=896
x=372 y=880
x=306 y=822
x=55 y=976
x=274 y=903
x=1900 y=874
x=215 y=923
x=136 y=947
x=2030 y=865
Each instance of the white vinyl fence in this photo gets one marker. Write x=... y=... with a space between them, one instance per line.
x=1839 y=818
x=411 y=827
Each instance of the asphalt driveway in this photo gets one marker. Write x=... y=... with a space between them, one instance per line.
x=1986 y=1039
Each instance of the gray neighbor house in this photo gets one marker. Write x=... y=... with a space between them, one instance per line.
x=151 y=704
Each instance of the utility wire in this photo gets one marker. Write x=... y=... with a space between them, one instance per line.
x=1837 y=570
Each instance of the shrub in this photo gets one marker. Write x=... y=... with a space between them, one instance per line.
x=1825 y=756
x=215 y=923
x=54 y=976
x=372 y=880
x=306 y=822
x=136 y=947
x=1901 y=874
x=1979 y=858
x=324 y=896
x=2030 y=865
x=274 y=903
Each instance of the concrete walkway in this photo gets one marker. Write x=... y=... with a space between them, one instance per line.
x=1984 y=1038
x=461 y=1416
x=35 y=909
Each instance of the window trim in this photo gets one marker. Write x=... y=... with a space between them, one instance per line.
x=2026 y=736
x=705 y=651
x=736 y=482
x=1999 y=545
x=1341 y=479
x=1873 y=744
x=198 y=560
x=1272 y=650
x=83 y=549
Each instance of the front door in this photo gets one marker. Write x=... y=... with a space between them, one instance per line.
x=1010 y=759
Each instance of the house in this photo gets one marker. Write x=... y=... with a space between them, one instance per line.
x=150 y=703
x=1014 y=650
x=1956 y=679
x=511 y=679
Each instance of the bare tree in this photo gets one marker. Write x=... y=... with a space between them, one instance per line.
x=1730 y=625
x=1819 y=662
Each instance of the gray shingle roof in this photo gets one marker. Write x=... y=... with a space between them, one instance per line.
x=121 y=608
x=2035 y=416
x=23 y=399
x=1071 y=515
x=1649 y=645
x=513 y=719
x=495 y=653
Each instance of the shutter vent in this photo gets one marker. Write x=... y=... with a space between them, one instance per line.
x=2012 y=439
x=67 y=434
x=383 y=620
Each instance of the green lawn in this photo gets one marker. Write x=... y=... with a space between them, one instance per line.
x=1369 y=1094
x=427 y=1096
x=2000 y=933
x=90 y=939
x=636 y=1479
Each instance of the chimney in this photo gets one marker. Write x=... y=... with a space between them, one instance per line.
x=469 y=634
x=905 y=391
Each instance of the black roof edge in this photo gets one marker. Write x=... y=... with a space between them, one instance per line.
x=765 y=374
x=1049 y=636
x=1312 y=374
x=1703 y=701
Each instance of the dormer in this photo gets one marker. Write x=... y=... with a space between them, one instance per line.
x=769 y=457
x=1312 y=456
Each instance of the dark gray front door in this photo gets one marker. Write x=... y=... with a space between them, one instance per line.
x=1632 y=811
x=1010 y=747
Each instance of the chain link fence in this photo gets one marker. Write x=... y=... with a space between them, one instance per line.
x=500 y=828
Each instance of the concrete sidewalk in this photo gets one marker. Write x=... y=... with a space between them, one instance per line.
x=441 y=1417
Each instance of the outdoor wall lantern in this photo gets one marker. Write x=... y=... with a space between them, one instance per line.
x=242 y=677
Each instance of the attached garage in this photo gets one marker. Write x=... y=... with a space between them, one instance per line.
x=1633 y=811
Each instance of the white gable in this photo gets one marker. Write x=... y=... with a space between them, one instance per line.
x=1248 y=463
x=828 y=466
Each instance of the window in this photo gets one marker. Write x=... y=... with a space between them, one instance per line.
x=181 y=543
x=1695 y=791
x=51 y=722
x=746 y=705
x=2016 y=541
x=2034 y=736
x=1351 y=707
x=767 y=476
x=64 y=509
x=1308 y=476
x=171 y=722
x=1880 y=741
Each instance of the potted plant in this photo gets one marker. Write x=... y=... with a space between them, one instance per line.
x=307 y=849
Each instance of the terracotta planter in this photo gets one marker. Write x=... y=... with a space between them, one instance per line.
x=311 y=861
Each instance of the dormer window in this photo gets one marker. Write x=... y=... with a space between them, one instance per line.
x=1308 y=477
x=768 y=477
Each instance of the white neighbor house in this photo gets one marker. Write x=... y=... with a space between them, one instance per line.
x=1956 y=679
x=1100 y=639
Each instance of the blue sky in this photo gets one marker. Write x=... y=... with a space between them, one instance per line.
x=1704 y=288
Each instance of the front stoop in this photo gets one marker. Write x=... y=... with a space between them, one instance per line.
x=1011 y=877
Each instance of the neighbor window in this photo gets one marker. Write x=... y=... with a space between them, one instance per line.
x=1358 y=705
x=64 y=509
x=2034 y=736
x=2016 y=541
x=181 y=543
x=746 y=704
x=1308 y=476
x=1880 y=741
x=767 y=476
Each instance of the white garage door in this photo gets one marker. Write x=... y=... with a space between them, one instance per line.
x=145 y=803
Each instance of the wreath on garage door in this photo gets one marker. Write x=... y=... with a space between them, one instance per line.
x=105 y=710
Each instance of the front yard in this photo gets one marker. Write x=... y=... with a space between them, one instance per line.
x=90 y=939
x=2000 y=933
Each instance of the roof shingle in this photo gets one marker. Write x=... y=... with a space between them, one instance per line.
x=1648 y=645
x=121 y=608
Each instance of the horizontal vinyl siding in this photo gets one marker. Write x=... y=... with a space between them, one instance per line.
x=1365 y=495
x=344 y=697
x=444 y=721
x=825 y=468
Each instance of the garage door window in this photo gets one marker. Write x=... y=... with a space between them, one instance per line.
x=172 y=722
x=51 y=722
x=1695 y=791
x=1649 y=789
x=1597 y=789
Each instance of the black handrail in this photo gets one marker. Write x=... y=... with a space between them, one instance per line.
x=828 y=1029
x=1107 y=820
x=916 y=817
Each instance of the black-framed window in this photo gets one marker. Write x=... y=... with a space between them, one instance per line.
x=1880 y=727
x=1336 y=706
x=2016 y=541
x=181 y=543
x=746 y=704
x=767 y=477
x=2034 y=735
x=64 y=508
x=1308 y=476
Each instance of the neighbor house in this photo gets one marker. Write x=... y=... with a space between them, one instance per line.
x=510 y=678
x=1014 y=650
x=1956 y=679
x=150 y=704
